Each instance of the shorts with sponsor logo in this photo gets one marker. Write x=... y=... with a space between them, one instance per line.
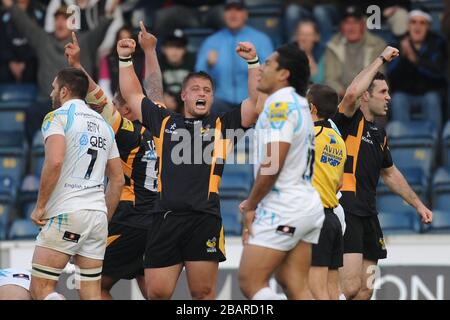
x=81 y=233
x=283 y=231
x=175 y=238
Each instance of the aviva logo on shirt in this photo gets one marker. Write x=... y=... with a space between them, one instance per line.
x=278 y=111
x=331 y=154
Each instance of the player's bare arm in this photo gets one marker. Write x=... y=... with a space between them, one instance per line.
x=153 y=83
x=249 y=110
x=397 y=183
x=361 y=83
x=55 y=149
x=96 y=98
x=116 y=181
x=264 y=182
x=129 y=84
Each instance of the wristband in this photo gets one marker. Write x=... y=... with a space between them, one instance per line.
x=125 y=61
x=383 y=59
x=253 y=63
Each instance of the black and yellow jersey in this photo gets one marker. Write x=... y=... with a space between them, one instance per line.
x=330 y=156
x=138 y=156
x=367 y=153
x=191 y=156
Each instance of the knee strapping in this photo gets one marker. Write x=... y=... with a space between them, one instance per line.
x=93 y=274
x=45 y=272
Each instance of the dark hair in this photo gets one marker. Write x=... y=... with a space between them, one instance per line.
x=293 y=59
x=311 y=22
x=62 y=11
x=75 y=80
x=119 y=98
x=378 y=76
x=324 y=98
x=200 y=74
x=124 y=28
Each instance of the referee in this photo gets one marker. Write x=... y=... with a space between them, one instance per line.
x=330 y=156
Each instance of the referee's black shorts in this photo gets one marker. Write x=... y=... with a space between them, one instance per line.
x=363 y=235
x=329 y=251
x=176 y=238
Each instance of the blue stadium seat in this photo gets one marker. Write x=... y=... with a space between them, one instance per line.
x=268 y=19
x=38 y=147
x=22 y=229
x=399 y=222
x=387 y=201
x=18 y=92
x=231 y=217
x=37 y=154
x=446 y=144
x=12 y=132
x=28 y=190
x=8 y=189
x=236 y=180
x=28 y=209
x=12 y=166
x=196 y=36
x=440 y=223
x=413 y=144
x=441 y=189
x=5 y=213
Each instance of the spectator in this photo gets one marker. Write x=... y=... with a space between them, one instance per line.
x=217 y=56
x=327 y=14
x=109 y=64
x=189 y=14
x=18 y=62
x=324 y=12
x=49 y=49
x=308 y=39
x=445 y=27
x=175 y=61
x=418 y=76
x=350 y=51
x=92 y=13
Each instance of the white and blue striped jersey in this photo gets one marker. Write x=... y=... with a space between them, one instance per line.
x=286 y=118
x=90 y=143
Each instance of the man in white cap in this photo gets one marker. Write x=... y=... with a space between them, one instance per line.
x=419 y=74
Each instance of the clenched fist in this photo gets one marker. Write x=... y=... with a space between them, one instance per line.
x=126 y=47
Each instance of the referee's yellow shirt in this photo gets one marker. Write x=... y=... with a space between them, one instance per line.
x=330 y=156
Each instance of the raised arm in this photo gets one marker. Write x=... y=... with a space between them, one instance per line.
x=249 y=111
x=129 y=84
x=96 y=98
x=35 y=35
x=153 y=83
x=362 y=81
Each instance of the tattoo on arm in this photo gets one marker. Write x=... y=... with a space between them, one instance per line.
x=153 y=87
